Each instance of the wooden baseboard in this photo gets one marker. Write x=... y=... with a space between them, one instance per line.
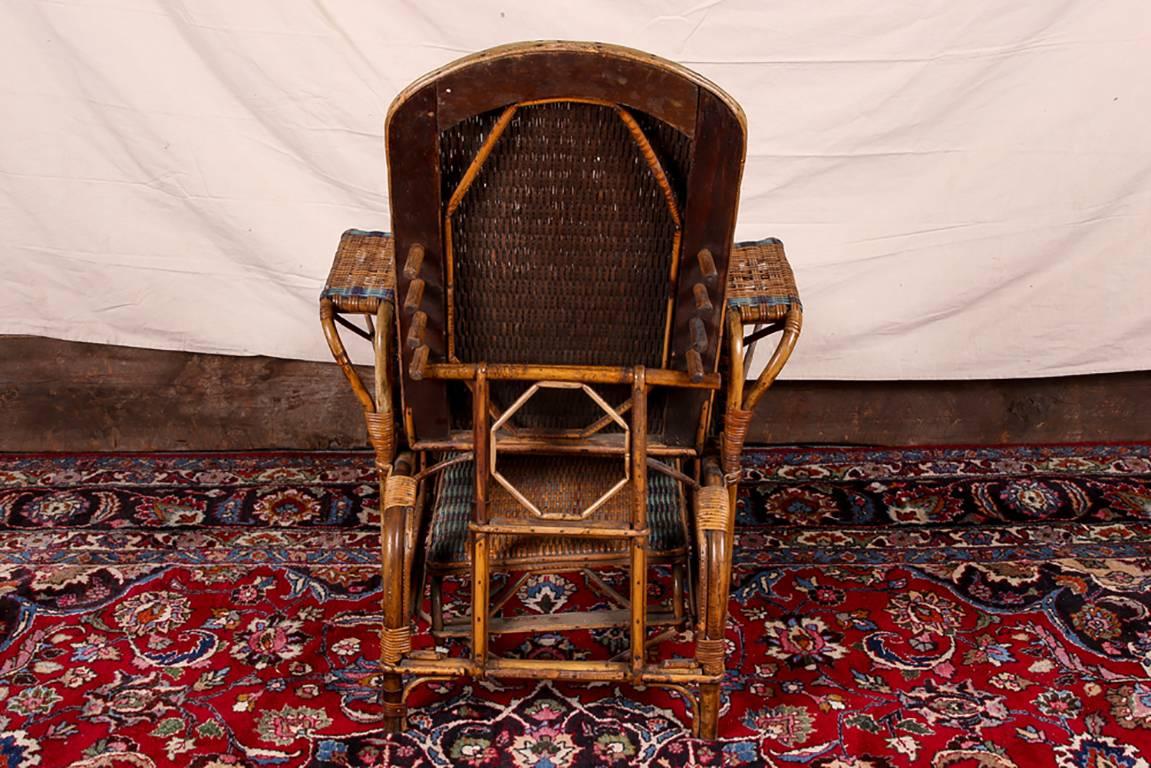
x=69 y=396
x=1114 y=407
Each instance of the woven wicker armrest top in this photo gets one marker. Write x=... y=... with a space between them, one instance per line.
x=362 y=273
x=761 y=285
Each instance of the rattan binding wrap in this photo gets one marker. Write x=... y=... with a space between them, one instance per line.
x=363 y=272
x=761 y=284
x=712 y=509
x=394 y=643
x=400 y=491
x=711 y=654
x=736 y=423
x=381 y=434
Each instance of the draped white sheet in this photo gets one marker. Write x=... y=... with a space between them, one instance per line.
x=964 y=188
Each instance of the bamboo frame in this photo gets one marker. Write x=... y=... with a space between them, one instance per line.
x=427 y=231
x=400 y=526
x=516 y=406
x=714 y=547
x=639 y=522
x=659 y=377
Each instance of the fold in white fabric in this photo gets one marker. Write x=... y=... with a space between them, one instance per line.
x=964 y=189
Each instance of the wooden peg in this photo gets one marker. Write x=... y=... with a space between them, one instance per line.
x=707 y=266
x=414 y=261
x=698 y=335
x=414 y=296
x=694 y=365
x=420 y=362
x=416 y=330
x=702 y=298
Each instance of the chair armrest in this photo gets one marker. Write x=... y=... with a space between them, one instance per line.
x=362 y=282
x=760 y=283
x=363 y=272
x=761 y=290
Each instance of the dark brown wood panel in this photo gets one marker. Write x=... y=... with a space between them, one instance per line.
x=543 y=73
x=414 y=182
x=67 y=396
x=709 y=225
x=1095 y=408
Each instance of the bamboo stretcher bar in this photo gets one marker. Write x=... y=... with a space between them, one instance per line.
x=597 y=445
x=659 y=377
x=601 y=531
x=557 y=622
x=548 y=669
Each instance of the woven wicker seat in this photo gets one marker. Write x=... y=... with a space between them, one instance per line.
x=561 y=302
x=574 y=482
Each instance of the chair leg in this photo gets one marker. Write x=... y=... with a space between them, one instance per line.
x=677 y=597
x=707 y=716
x=437 y=597
x=395 y=635
x=395 y=713
x=713 y=531
x=480 y=584
x=638 y=606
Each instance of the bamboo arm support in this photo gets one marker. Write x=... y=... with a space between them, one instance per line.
x=382 y=424
x=336 y=345
x=740 y=406
x=791 y=329
x=378 y=415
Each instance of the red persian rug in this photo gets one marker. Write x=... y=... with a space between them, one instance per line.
x=940 y=607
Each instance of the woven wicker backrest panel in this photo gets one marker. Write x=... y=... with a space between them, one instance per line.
x=562 y=247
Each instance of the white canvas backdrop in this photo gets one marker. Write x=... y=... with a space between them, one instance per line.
x=964 y=188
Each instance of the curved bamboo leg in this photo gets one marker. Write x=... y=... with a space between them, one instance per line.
x=716 y=505
x=395 y=636
x=713 y=520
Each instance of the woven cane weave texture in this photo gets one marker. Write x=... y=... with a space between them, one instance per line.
x=552 y=483
x=363 y=271
x=562 y=246
x=761 y=284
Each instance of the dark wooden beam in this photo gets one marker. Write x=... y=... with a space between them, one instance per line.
x=68 y=396
x=1096 y=408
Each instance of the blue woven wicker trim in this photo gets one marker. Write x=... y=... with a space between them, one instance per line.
x=358 y=291
x=366 y=233
x=454 y=511
x=762 y=301
x=764 y=241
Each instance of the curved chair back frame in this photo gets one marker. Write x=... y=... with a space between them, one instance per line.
x=639 y=87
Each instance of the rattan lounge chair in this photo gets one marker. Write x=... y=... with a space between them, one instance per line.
x=552 y=304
